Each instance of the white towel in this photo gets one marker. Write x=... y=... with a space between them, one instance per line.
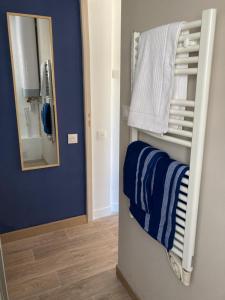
x=154 y=80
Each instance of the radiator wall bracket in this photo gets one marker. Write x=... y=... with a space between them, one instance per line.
x=176 y=265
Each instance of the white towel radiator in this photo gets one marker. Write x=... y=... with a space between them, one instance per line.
x=196 y=42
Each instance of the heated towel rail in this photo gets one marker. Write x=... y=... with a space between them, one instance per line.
x=187 y=123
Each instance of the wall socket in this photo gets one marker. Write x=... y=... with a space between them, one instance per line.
x=72 y=138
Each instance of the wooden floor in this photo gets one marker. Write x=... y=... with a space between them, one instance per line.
x=71 y=264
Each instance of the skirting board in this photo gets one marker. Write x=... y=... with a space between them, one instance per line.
x=102 y=212
x=126 y=285
x=115 y=208
x=40 y=229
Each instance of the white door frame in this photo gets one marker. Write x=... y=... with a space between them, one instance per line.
x=87 y=109
x=87 y=106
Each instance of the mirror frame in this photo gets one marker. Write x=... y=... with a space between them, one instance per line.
x=11 y=14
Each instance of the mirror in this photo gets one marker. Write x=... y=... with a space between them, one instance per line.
x=31 y=49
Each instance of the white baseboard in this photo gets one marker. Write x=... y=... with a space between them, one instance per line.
x=102 y=212
x=115 y=208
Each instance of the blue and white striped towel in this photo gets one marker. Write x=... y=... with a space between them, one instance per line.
x=152 y=183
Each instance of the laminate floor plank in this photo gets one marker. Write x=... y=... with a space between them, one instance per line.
x=34 y=286
x=79 y=243
x=103 y=286
x=76 y=263
x=21 y=273
x=32 y=242
x=19 y=258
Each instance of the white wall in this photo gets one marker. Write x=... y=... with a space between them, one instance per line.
x=115 y=104
x=49 y=149
x=104 y=56
x=28 y=114
x=20 y=28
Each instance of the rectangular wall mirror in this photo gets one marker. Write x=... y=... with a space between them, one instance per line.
x=31 y=48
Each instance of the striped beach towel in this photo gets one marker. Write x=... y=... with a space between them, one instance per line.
x=152 y=182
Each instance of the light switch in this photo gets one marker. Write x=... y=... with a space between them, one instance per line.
x=72 y=138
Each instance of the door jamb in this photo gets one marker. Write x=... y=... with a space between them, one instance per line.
x=87 y=106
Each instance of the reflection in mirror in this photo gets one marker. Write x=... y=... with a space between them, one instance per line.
x=34 y=87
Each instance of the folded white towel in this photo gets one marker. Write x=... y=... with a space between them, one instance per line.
x=154 y=79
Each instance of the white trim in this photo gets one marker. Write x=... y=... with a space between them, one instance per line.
x=87 y=106
x=115 y=207
x=102 y=212
x=197 y=150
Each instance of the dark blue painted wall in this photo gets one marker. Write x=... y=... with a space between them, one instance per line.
x=36 y=197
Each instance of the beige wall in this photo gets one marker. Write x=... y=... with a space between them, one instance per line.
x=143 y=261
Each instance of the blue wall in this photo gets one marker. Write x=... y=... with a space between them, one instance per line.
x=36 y=197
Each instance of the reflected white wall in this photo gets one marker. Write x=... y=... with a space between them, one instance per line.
x=26 y=73
x=49 y=150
